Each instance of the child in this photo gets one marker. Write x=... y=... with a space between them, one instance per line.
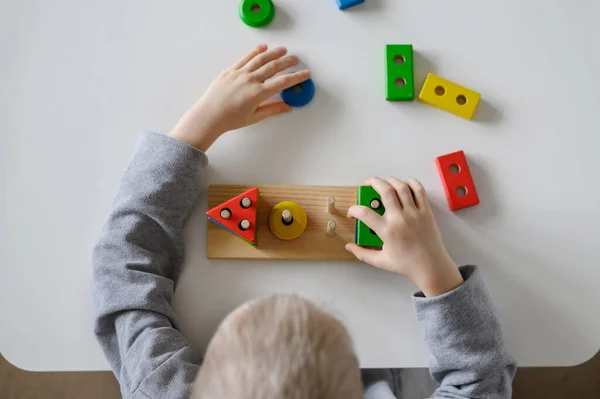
x=284 y=346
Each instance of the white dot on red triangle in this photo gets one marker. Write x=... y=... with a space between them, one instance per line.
x=244 y=224
x=246 y=202
x=225 y=213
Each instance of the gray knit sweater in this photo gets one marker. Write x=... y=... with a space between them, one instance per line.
x=138 y=259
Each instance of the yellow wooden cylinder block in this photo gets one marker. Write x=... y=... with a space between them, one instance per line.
x=287 y=230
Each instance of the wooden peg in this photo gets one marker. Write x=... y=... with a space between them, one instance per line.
x=246 y=202
x=245 y=224
x=331 y=228
x=330 y=205
x=375 y=204
x=225 y=213
x=286 y=216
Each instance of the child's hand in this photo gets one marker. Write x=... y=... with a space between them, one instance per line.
x=234 y=99
x=412 y=244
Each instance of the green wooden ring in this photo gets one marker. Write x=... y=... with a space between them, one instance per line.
x=260 y=18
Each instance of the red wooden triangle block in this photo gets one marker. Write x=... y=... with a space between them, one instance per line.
x=238 y=213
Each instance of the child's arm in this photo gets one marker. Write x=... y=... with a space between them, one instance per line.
x=468 y=354
x=137 y=260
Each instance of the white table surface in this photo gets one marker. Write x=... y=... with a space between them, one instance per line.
x=80 y=79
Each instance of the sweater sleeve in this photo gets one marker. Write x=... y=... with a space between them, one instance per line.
x=468 y=355
x=136 y=264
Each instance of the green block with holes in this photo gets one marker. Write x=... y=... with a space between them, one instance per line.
x=399 y=72
x=364 y=236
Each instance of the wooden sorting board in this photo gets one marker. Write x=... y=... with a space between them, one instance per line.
x=314 y=242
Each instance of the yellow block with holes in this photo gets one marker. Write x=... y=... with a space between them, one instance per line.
x=449 y=96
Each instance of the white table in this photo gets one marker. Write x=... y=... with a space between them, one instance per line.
x=79 y=80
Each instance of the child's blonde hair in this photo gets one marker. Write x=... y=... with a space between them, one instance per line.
x=282 y=347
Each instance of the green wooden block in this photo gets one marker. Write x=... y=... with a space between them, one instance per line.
x=257 y=13
x=399 y=72
x=364 y=236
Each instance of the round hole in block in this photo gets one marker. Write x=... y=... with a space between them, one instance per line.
x=400 y=82
x=440 y=91
x=255 y=8
x=461 y=100
x=454 y=168
x=461 y=191
x=244 y=225
x=399 y=60
x=287 y=222
x=225 y=213
x=297 y=89
x=375 y=204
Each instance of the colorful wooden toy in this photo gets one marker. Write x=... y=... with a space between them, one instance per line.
x=257 y=13
x=238 y=215
x=364 y=236
x=449 y=96
x=320 y=240
x=457 y=181
x=343 y=4
x=299 y=95
x=399 y=72
x=287 y=220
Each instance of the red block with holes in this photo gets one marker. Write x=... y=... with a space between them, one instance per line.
x=237 y=214
x=457 y=180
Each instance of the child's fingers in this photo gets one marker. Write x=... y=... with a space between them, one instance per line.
x=367 y=216
x=286 y=81
x=264 y=58
x=261 y=48
x=403 y=191
x=387 y=193
x=371 y=256
x=269 y=70
x=419 y=193
x=268 y=110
